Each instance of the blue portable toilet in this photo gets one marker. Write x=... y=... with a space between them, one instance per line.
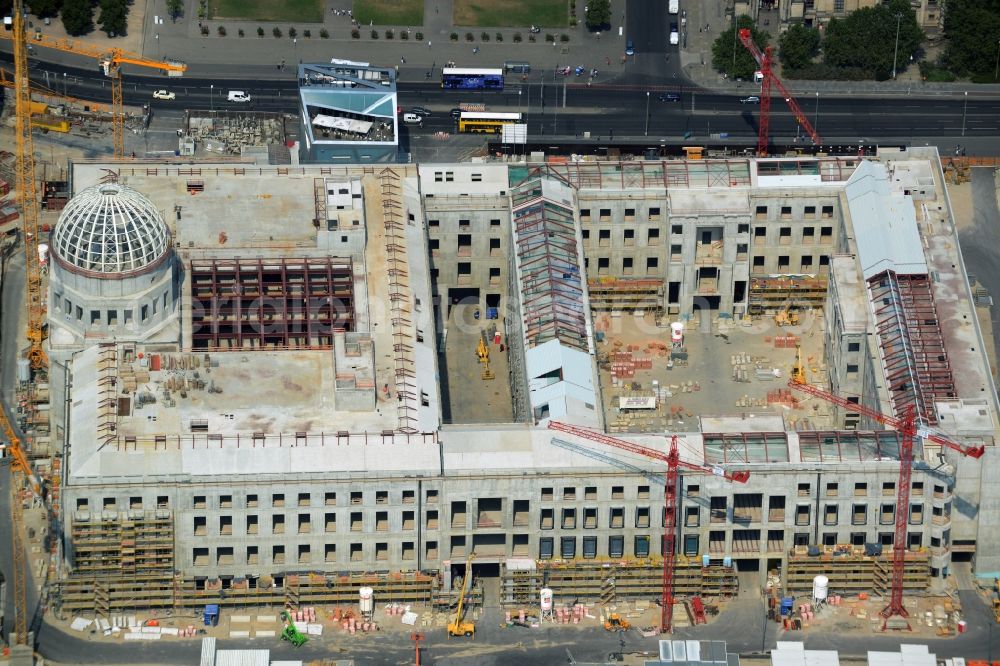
x=786 y=605
x=211 y=615
x=705 y=560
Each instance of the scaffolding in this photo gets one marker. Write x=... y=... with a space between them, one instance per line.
x=243 y=304
x=770 y=295
x=851 y=570
x=626 y=295
x=102 y=595
x=914 y=355
x=607 y=581
x=128 y=543
x=400 y=299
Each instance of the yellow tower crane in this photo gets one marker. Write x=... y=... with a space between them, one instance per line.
x=28 y=198
x=27 y=191
x=111 y=60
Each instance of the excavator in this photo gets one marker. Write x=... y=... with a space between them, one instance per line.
x=616 y=622
x=483 y=352
x=290 y=633
x=457 y=626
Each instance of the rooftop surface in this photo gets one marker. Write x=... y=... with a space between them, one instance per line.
x=286 y=405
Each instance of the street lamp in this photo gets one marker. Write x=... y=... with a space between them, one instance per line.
x=64 y=84
x=996 y=67
x=735 y=26
x=896 y=49
x=211 y=95
x=646 y=131
x=157 y=35
x=965 y=108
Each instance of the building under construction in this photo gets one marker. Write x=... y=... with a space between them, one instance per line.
x=263 y=379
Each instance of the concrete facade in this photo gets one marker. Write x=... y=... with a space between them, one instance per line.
x=310 y=470
x=929 y=13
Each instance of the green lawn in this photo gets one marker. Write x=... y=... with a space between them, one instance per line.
x=278 y=11
x=408 y=13
x=512 y=13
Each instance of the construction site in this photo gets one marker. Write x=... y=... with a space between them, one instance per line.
x=339 y=334
x=618 y=394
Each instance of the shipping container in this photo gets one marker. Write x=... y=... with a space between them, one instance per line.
x=51 y=123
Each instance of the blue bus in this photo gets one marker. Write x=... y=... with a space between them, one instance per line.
x=457 y=78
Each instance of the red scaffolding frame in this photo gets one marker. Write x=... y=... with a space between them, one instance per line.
x=916 y=365
x=240 y=304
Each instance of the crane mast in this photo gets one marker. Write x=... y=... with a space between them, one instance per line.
x=674 y=463
x=27 y=190
x=908 y=430
x=765 y=62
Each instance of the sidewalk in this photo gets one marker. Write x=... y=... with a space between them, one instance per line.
x=252 y=56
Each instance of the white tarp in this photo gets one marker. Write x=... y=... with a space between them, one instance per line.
x=79 y=624
x=637 y=402
x=343 y=124
x=409 y=618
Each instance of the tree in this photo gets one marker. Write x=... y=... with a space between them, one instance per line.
x=175 y=8
x=599 y=14
x=729 y=55
x=798 y=46
x=972 y=31
x=866 y=39
x=43 y=8
x=114 y=17
x=78 y=17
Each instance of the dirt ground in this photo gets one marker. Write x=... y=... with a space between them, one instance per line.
x=730 y=365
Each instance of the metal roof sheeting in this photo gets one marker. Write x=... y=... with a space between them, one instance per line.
x=792 y=653
x=908 y=655
x=243 y=658
x=694 y=653
x=208 y=651
x=884 y=224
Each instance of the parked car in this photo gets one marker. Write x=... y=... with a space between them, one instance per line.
x=669 y=97
x=164 y=94
x=629 y=48
x=421 y=111
x=752 y=99
x=675 y=36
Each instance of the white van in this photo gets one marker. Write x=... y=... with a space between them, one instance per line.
x=413 y=119
x=673 y=6
x=238 y=96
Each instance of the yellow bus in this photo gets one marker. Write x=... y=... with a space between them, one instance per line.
x=477 y=122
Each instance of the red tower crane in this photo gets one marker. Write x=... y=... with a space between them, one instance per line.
x=674 y=462
x=907 y=427
x=764 y=60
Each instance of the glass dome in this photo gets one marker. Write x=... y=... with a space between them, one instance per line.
x=110 y=229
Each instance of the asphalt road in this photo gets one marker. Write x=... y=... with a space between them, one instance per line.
x=566 y=106
x=11 y=304
x=655 y=61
